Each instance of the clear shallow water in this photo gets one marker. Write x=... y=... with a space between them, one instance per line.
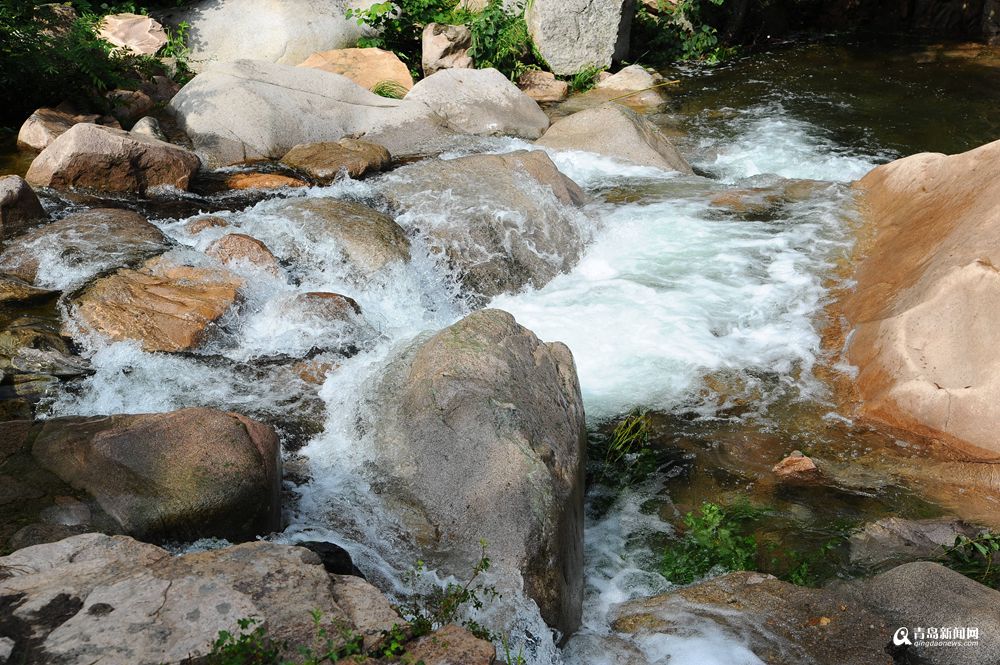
x=673 y=292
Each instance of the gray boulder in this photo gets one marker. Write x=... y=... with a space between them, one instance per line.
x=479 y=434
x=481 y=102
x=508 y=221
x=186 y=474
x=575 y=34
x=19 y=207
x=285 y=32
x=110 y=599
x=927 y=594
x=248 y=110
x=617 y=132
x=74 y=249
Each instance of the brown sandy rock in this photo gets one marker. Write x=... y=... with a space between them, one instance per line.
x=452 y=645
x=543 y=86
x=240 y=248
x=324 y=161
x=796 y=467
x=365 y=66
x=134 y=33
x=445 y=47
x=164 y=305
x=46 y=125
x=262 y=181
x=926 y=309
x=203 y=223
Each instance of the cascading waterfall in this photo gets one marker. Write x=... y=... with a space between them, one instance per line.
x=669 y=290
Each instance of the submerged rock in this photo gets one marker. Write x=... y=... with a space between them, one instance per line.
x=925 y=312
x=368 y=240
x=575 y=34
x=248 y=110
x=481 y=102
x=325 y=161
x=262 y=181
x=479 y=433
x=757 y=614
x=445 y=47
x=111 y=160
x=81 y=245
x=164 y=305
x=894 y=540
x=365 y=66
x=796 y=467
x=14 y=290
x=617 y=132
x=503 y=222
x=234 y=249
x=19 y=207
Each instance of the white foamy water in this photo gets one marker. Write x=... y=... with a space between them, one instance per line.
x=669 y=290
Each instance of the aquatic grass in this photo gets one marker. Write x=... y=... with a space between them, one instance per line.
x=389 y=89
x=976 y=558
x=585 y=79
x=714 y=539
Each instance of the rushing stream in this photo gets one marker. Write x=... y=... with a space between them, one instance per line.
x=705 y=314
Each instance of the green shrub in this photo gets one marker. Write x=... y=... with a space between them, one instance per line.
x=678 y=31
x=976 y=558
x=44 y=62
x=398 y=26
x=713 y=538
x=500 y=40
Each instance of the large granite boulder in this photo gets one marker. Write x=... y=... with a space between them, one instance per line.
x=575 y=34
x=19 y=207
x=183 y=475
x=111 y=599
x=925 y=311
x=365 y=66
x=285 y=32
x=101 y=158
x=248 y=110
x=165 y=305
x=617 y=132
x=509 y=220
x=481 y=102
x=81 y=245
x=479 y=434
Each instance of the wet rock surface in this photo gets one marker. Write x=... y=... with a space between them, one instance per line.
x=80 y=246
x=479 y=434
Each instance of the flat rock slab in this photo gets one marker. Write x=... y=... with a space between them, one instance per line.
x=163 y=305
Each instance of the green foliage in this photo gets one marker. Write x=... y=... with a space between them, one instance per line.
x=975 y=557
x=398 y=26
x=625 y=454
x=585 y=79
x=500 y=40
x=712 y=539
x=811 y=568
x=389 y=89
x=441 y=606
x=676 y=31
x=46 y=60
x=253 y=646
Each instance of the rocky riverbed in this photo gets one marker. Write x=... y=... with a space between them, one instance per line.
x=263 y=353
